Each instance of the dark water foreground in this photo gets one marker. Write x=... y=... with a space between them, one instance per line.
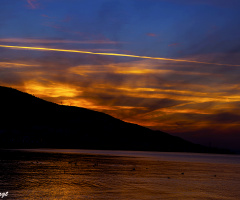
x=86 y=174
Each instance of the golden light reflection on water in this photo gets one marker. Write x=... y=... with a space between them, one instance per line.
x=29 y=175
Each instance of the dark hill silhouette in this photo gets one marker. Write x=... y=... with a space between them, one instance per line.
x=30 y=122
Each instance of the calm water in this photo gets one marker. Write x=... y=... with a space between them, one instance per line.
x=91 y=174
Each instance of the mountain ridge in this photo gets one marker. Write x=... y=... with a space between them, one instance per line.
x=31 y=122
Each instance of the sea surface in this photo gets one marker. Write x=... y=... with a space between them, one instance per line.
x=98 y=174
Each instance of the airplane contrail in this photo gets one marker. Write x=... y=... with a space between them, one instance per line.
x=113 y=54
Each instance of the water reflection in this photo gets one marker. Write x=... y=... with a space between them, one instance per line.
x=32 y=175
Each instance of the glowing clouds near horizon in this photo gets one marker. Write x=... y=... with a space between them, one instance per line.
x=169 y=95
x=50 y=90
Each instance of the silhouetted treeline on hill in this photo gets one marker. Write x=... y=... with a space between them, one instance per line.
x=30 y=122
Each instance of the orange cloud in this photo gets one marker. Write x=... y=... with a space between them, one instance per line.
x=151 y=34
x=53 y=89
x=16 y=65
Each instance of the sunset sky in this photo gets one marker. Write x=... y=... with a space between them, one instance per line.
x=192 y=90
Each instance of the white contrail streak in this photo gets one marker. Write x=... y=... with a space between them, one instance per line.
x=113 y=54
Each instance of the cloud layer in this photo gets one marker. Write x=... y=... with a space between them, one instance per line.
x=184 y=99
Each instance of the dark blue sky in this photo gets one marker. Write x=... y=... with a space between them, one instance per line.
x=197 y=101
x=153 y=28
